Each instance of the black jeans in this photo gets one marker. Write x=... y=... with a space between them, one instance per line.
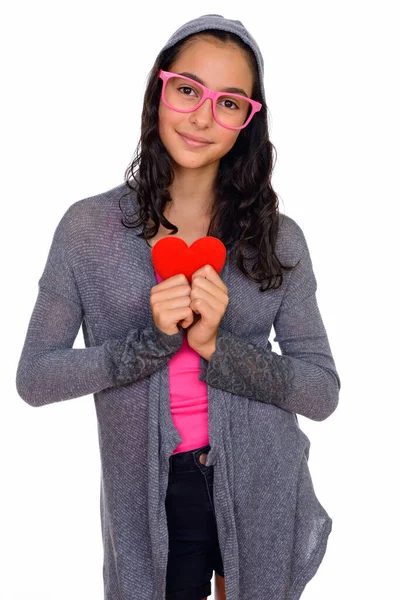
x=194 y=551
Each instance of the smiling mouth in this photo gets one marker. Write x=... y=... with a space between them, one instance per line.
x=193 y=143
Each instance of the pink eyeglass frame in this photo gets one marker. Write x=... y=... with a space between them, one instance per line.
x=255 y=106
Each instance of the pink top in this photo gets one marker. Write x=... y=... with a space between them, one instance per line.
x=188 y=397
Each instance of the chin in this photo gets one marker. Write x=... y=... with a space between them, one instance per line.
x=188 y=161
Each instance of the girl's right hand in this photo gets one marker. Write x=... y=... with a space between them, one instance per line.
x=170 y=304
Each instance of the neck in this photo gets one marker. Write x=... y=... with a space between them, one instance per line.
x=193 y=191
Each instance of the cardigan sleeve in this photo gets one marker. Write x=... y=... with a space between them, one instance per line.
x=303 y=379
x=51 y=370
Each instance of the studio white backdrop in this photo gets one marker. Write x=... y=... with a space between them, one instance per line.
x=73 y=76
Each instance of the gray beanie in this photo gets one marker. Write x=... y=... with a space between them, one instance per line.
x=219 y=22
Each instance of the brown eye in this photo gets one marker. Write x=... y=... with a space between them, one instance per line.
x=186 y=88
x=231 y=102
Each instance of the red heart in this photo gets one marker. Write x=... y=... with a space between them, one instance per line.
x=172 y=255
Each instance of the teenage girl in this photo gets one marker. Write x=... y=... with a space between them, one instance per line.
x=198 y=136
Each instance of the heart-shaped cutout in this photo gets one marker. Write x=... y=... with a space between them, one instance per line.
x=172 y=255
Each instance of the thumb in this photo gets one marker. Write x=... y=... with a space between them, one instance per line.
x=186 y=322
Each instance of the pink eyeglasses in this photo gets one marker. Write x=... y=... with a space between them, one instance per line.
x=234 y=116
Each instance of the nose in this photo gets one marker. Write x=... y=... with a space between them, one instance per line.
x=204 y=113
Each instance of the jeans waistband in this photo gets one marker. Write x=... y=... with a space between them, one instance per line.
x=181 y=461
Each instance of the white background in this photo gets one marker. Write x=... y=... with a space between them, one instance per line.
x=73 y=76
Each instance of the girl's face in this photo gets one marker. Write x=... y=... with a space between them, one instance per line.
x=218 y=66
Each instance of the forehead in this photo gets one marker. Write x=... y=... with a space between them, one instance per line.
x=219 y=65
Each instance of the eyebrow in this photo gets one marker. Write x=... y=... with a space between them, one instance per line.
x=232 y=90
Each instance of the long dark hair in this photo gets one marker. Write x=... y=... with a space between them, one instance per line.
x=245 y=211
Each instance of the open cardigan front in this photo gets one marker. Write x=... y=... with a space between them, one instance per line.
x=272 y=529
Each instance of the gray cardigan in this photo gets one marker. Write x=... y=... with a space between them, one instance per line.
x=272 y=529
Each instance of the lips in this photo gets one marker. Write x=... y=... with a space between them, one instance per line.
x=195 y=138
x=194 y=142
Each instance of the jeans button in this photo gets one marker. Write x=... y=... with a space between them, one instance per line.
x=203 y=458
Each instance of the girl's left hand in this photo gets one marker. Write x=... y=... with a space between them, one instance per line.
x=209 y=296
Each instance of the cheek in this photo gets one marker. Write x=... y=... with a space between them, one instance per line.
x=167 y=119
x=163 y=120
x=228 y=139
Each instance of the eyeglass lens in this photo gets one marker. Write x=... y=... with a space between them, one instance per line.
x=185 y=95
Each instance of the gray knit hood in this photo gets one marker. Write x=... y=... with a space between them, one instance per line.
x=219 y=22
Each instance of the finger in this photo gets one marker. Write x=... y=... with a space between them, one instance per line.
x=208 y=273
x=201 y=287
x=170 y=293
x=175 y=280
x=185 y=323
x=209 y=308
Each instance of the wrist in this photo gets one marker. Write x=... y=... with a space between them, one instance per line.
x=206 y=351
x=170 y=341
